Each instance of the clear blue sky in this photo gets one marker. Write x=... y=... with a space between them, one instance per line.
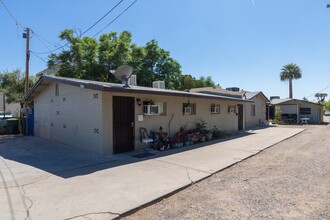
x=240 y=43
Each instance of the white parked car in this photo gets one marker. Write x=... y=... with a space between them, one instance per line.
x=326 y=113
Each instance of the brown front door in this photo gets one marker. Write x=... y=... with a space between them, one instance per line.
x=123 y=124
x=240 y=116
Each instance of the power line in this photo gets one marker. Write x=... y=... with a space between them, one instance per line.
x=102 y=17
x=38 y=57
x=116 y=18
x=34 y=34
x=60 y=47
x=319 y=91
x=44 y=39
x=11 y=15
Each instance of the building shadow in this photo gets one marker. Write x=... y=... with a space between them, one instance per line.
x=66 y=161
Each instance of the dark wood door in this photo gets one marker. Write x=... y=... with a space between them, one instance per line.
x=240 y=116
x=123 y=124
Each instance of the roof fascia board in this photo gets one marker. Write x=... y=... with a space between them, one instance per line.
x=92 y=86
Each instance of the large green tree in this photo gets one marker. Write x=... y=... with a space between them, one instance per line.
x=88 y=58
x=12 y=85
x=290 y=72
x=189 y=82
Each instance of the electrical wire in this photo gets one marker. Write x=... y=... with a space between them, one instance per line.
x=38 y=57
x=115 y=18
x=34 y=34
x=102 y=17
x=60 y=47
x=11 y=15
x=44 y=39
x=319 y=91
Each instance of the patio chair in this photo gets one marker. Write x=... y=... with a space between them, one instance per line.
x=144 y=137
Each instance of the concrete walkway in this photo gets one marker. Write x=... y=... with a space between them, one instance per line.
x=40 y=179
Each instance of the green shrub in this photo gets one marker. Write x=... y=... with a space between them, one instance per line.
x=218 y=134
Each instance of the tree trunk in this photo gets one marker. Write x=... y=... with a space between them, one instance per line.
x=290 y=89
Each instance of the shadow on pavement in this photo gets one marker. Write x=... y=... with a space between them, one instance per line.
x=67 y=161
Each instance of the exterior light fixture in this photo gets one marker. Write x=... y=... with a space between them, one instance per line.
x=188 y=104
x=138 y=101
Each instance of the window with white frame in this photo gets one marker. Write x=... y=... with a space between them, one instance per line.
x=189 y=108
x=215 y=109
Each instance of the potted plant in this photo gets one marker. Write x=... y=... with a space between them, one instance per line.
x=201 y=128
x=195 y=137
x=172 y=142
x=201 y=137
x=209 y=135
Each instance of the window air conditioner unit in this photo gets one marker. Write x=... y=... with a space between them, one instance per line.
x=187 y=110
x=132 y=80
x=158 y=84
x=215 y=109
x=151 y=109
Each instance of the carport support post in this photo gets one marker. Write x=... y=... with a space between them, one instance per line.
x=298 y=116
x=4 y=104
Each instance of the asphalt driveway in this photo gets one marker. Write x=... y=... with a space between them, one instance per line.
x=40 y=179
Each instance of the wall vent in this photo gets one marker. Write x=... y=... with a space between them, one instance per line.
x=158 y=84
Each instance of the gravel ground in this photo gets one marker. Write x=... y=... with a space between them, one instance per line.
x=290 y=180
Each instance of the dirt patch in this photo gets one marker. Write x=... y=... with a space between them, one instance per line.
x=287 y=181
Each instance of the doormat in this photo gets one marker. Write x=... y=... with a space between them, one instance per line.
x=142 y=155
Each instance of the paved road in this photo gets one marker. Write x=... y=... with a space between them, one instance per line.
x=290 y=180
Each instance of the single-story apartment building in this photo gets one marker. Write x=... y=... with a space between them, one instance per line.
x=106 y=117
x=256 y=111
x=297 y=111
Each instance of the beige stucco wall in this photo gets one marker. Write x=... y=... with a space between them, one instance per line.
x=223 y=121
x=74 y=117
x=260 y=111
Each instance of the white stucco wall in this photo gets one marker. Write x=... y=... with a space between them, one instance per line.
x=73 y=117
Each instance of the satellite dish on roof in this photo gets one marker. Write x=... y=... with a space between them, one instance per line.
x=123 y=73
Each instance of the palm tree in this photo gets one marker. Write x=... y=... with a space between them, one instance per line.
x=289 y=72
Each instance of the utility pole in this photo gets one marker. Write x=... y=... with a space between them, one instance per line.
x=27 y=59
x=24 y=122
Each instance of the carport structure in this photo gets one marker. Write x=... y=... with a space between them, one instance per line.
x=295 y=111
